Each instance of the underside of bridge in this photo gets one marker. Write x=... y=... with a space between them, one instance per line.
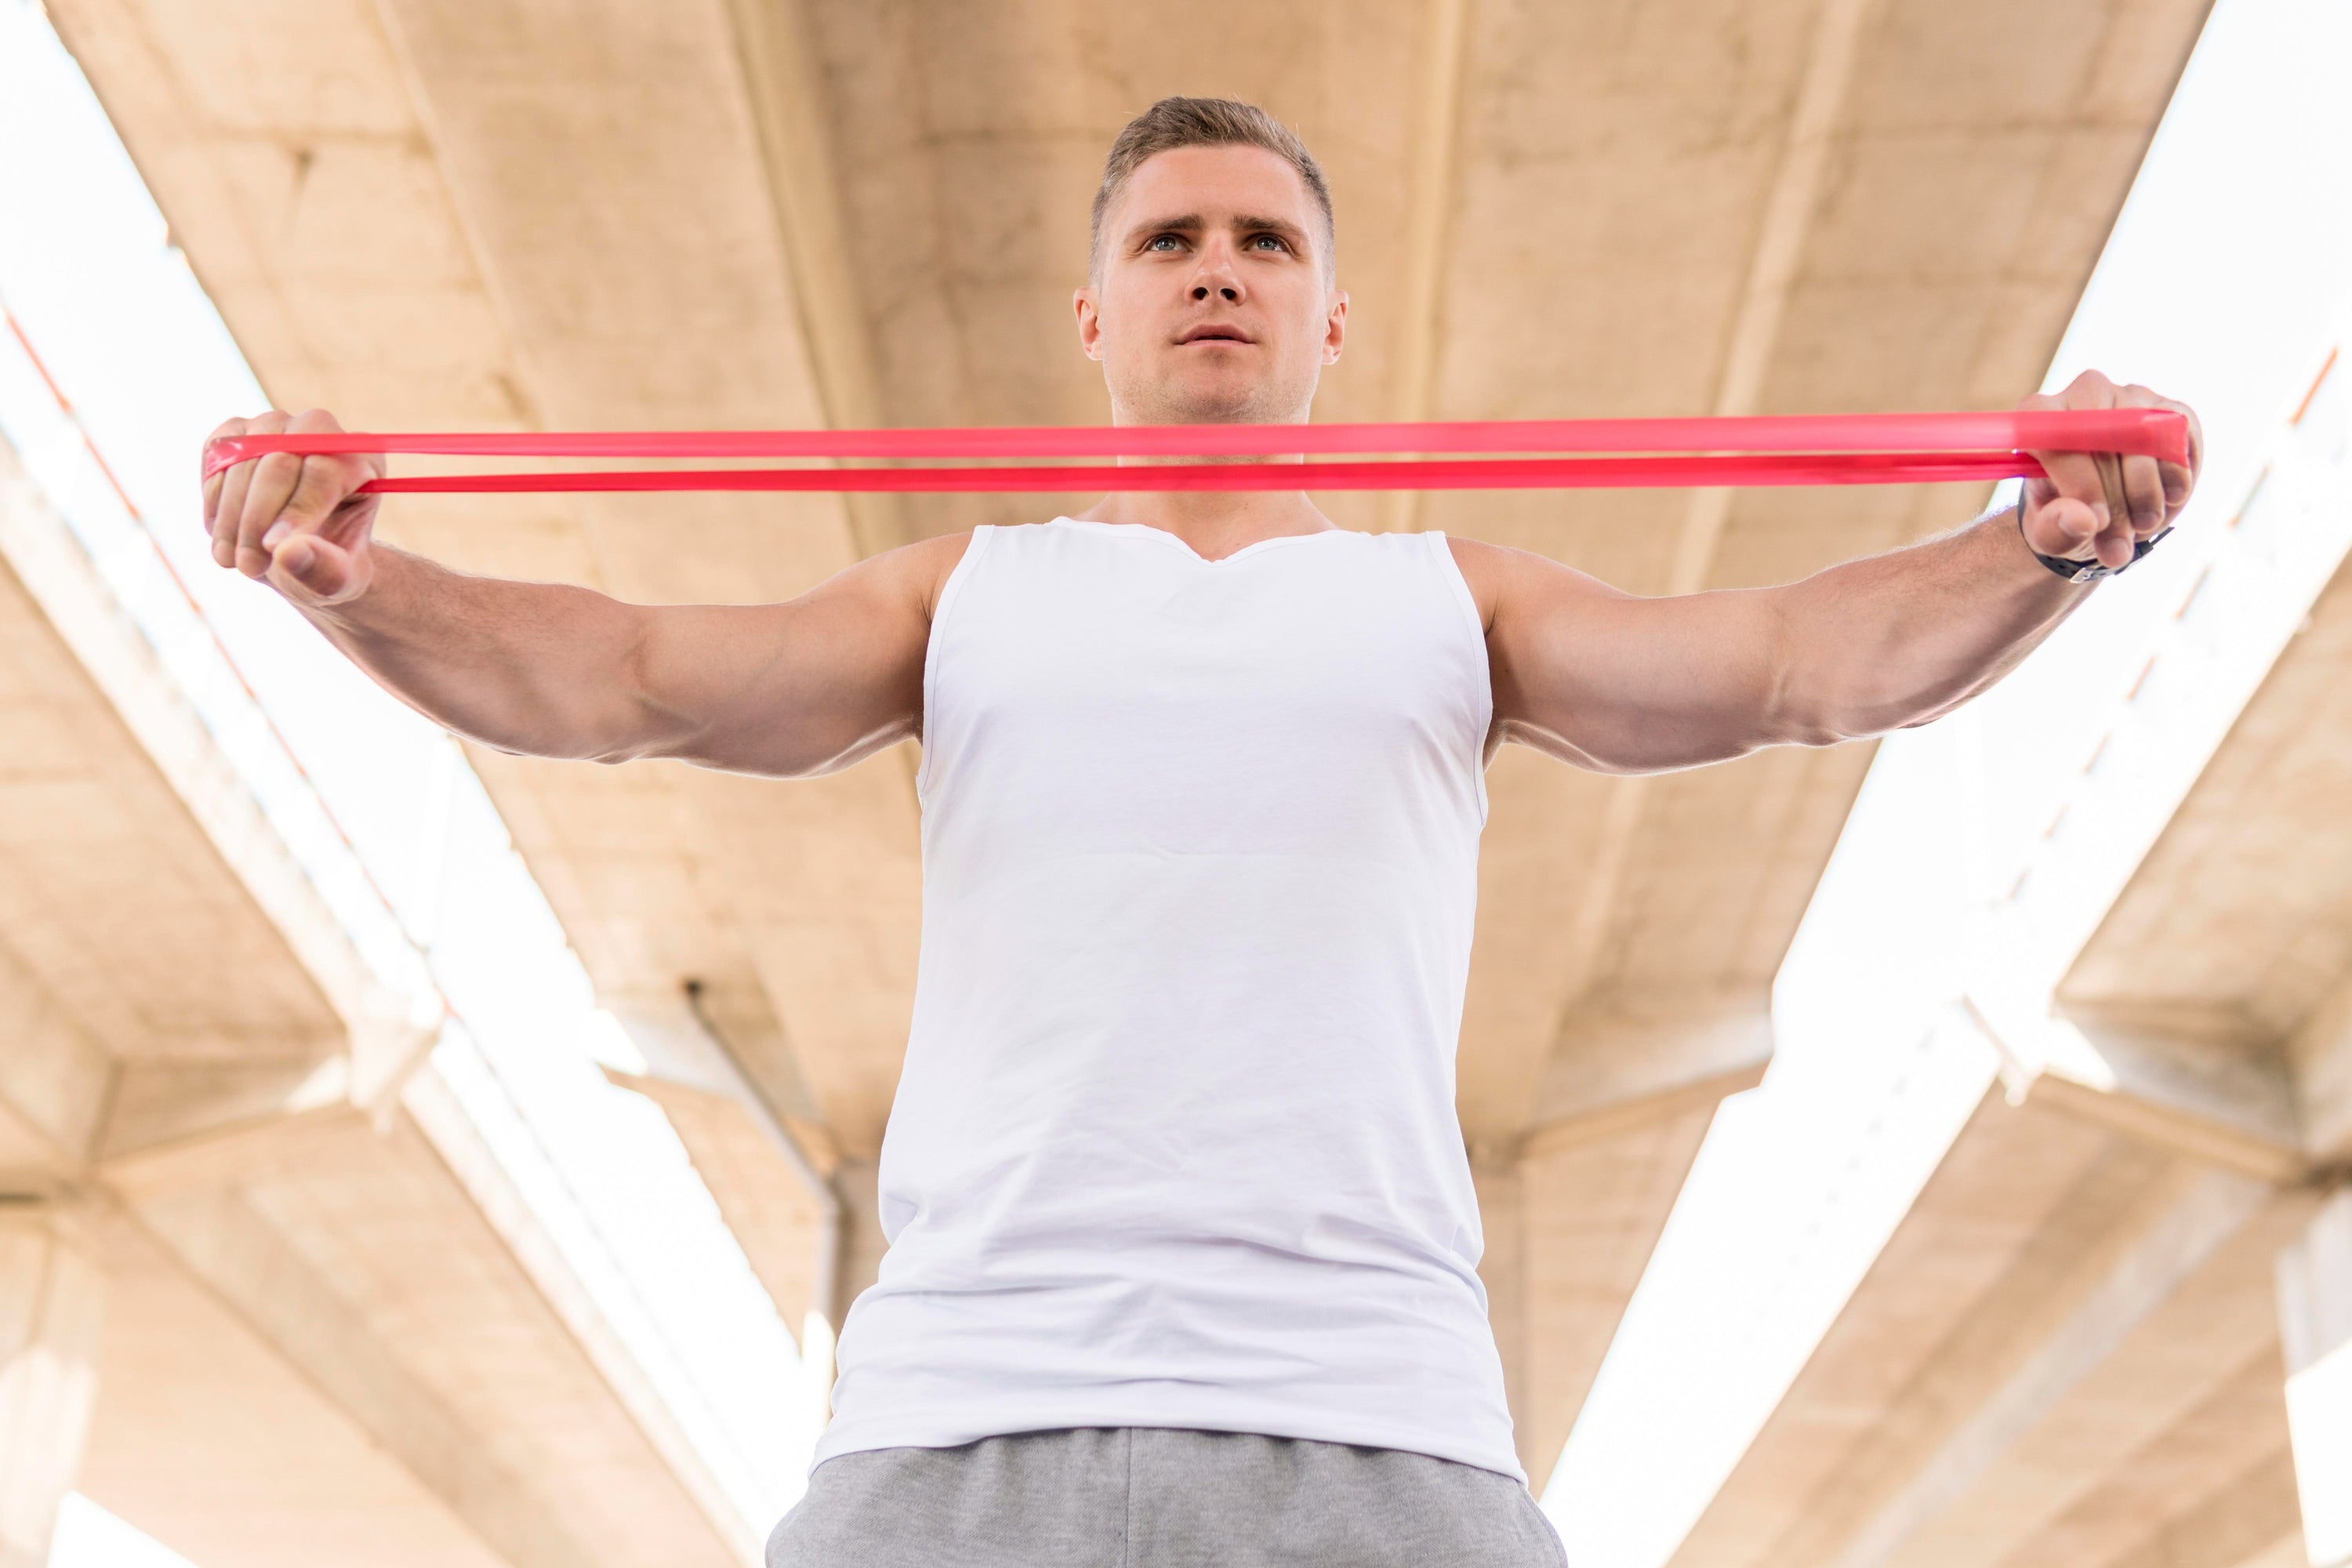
x=515 y=214
x=2072 y=1350
x=258 y=1271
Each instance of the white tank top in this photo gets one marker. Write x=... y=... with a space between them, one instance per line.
x=1175 y=1144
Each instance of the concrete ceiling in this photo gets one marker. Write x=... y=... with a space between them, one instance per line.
x=2238 y=927
x=110 y=892
x=337 y=1332
x=2070 y=1351
x=509 y=214
x=2067 y=1354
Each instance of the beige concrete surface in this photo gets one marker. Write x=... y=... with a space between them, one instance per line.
x=334 y=1330
x=2070 y=1352
x=2316 y=1324
x=776 y=212
x=52 y=1308
x=2067 y=1354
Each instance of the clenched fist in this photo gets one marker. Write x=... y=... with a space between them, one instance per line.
x=2097 y=506
x=295 y=521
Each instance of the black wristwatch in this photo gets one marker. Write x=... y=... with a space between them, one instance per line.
x=2089 y=571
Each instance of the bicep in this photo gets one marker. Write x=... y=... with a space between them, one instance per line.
x=801 y=688
x=1619 y=683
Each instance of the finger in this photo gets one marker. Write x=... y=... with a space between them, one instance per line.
x=2077 y=509
x=2062 y=528
x=324 y=483
x=2144 y=494
x=2114 y=544
x=2180 y=482
x=2176 y=481
x=2144 y=482
x=235 y=485
x=210 y=484
x=306 y=566
x=2091 y=389
x=274 y=480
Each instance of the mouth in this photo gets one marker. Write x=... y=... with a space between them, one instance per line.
x=1212 y=332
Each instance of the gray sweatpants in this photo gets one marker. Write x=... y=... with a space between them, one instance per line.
x=1159 y=1497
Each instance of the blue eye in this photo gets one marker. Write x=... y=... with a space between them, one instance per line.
x=1157 y=240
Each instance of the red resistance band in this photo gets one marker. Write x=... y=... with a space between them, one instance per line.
x=1812 y=449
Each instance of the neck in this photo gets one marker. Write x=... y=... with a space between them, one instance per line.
x=1216 y=523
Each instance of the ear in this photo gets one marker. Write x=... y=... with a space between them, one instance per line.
x=1090 y=322
x=1335 y=326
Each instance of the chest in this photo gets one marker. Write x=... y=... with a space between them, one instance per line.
x=1340 y=678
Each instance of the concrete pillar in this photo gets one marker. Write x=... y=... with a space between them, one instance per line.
x=1497 y=1169
x=2316 y=1330
x=52 y=1300
x=858 y=1243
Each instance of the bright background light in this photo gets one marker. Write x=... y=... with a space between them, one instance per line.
x=89 y=1537
x=2221 y=284
x=86 y=266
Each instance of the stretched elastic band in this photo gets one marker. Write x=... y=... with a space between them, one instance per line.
x=1496 y=474
x=1852 y=448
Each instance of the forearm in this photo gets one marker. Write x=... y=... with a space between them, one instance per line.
x=1898 y=640
x=535 y=668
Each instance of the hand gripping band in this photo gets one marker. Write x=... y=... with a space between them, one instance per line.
x=1814 y=449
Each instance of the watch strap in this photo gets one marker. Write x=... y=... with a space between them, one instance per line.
x=2089 y=571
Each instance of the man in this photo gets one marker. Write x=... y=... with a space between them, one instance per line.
x=1184 y=1241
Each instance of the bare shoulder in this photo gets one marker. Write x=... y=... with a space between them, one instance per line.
x=1484 y=567
x=1500 y=577
x=933 y=562
x=914 y=574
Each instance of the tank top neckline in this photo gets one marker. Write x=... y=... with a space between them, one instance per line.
x=1146 y=529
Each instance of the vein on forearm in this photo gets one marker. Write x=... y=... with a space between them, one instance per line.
x=1899 y=639
x=539 y=668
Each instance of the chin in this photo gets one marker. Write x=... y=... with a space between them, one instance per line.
x=1215 y=400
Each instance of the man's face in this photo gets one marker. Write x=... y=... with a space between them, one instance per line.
x=1211 y=304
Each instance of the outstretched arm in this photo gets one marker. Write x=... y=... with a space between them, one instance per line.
x=1623 y=684
x=546 y=669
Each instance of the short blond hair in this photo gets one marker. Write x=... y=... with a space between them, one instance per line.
x=1174 y=122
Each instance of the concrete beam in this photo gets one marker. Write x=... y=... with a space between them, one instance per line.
x=1611 y=1072
x=2248 y=1520
x=2235 y=1108
x=2315 y=1288
x=2204 y=1211
x=785 y=1231
x=54 y=1085
x=788 y=103
x=1429 y=223
x=99 y=649
x=671 y=1470
x=858 y=1243
x=52 y=1306
x=2320 y=1054
x=396 y=1269
x=1573 y=1209
x=217 y=1235
x=2064 y=1351
x=210 y=1439
x=1747 y=353
x=771 y=1180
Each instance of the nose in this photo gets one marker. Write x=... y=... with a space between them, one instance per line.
x=1217 y=277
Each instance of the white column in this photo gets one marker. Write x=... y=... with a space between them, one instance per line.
x=2315 y=1329
x=52 y=1301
